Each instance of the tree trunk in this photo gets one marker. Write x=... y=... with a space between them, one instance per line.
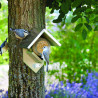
x=23 y=82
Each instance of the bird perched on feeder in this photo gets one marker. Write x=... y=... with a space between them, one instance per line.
x=20 y=33
x=45 y=56
x=3 y=47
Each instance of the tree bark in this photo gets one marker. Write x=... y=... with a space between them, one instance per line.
x=23 y=82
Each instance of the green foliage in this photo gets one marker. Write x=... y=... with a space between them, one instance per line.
x=76 y=55
x=3 y=29
x=88 y=27
x=96 y=28
x=81 y=9
x=84 y=34
x=75 y=18
x=78 y=26
x=65 y=6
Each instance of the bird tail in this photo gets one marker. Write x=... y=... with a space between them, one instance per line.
x=11 y=29
x=1 y=51
x=46 y=67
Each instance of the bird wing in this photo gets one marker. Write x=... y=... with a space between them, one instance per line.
x=0 y=50
x=3 y=44
x=20 y=32
x=46 y=56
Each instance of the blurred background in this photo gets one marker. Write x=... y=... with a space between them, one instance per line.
x=71 y=61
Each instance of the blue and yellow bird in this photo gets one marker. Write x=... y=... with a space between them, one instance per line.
x=4 y=47
x=20 y=33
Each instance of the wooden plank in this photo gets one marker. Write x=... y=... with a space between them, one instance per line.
x=30 y=62
x=52 y=38
x=35 y=39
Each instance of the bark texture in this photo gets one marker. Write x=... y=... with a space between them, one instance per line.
x=23 y=82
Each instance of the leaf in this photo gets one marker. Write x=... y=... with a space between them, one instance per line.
x=52 y=11
x=88 y=26
x=87 y=19
x=79 y=10
x=87 y=2
x=55 y=5
x=88 y=10
x=65 y=6
x=96 y=10
x=58 y=0
x=96 y=28
x=61 y=14
x=57 y=20
x=78 y=26
x=84 y=34
x=96 y=19
x=76 y=3
x=49 y=3
x=75 y=18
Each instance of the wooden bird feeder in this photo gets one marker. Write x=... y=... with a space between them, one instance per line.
x=33 y=46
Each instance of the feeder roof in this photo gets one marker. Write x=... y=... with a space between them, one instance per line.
x=35 y=35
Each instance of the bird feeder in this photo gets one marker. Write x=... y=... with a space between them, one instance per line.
x=33 y=46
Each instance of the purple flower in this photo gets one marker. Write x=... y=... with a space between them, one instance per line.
x=61 y=82
x=71 y=90
x=53 y=85
x=57 y=86
x=74 y=90
x=1 y=90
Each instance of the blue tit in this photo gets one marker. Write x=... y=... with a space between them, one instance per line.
x=45 y=56
x=3 y=47
x=20 y=33
x=0 y=50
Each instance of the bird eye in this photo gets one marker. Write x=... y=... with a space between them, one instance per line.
x=25 y=31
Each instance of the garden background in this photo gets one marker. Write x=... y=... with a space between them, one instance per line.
x=73 y=67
